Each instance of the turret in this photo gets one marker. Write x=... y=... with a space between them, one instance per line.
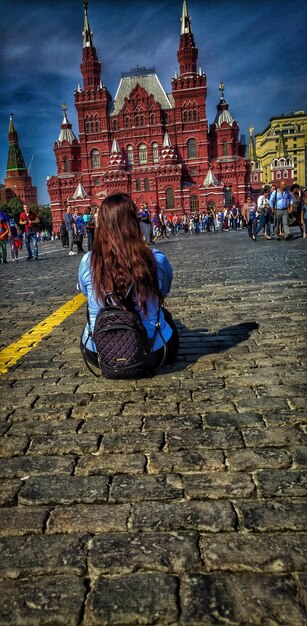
x=67 y=149
x=18 y=182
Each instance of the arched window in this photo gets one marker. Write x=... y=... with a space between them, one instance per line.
x=165 y=118
x=191 y=148
x=227 y=196
x=190 y=116
x=127 y=122
x=97 y=127
x=194 y=115
x=170 y=199
x=152 y=119
x=194 y=203
x=142 y=119
x=87 y=127
x=142 y=154
x=136 y=120
x=115 y=125
x=92 y=127
x=155 y=153
x=225 y=148
x=278 y=174
x=130 y=155
x=66 y=164
x=146 y=184
x=138 y=184
x=185 y=116
x=285 y=174
x=95 y=159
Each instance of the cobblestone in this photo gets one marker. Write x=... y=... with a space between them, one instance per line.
x=178 y=499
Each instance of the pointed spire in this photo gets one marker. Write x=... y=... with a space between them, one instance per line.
x=223 y=115
x=66 y=133
x=15 y=160
x=80 y=193
x=185 y=20
x=282 y=150
x=210 y=180
x=87 y=34
x=166 y=141
x=115 y=147
x=251 y=153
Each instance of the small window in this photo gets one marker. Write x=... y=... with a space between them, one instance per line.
x=152 y=119
x=127 y=122
x=142 y=154
x=191 y=148
x=138 y=184
x=136 y=120
x=115 y=125
x=130 y=155
x=194 y=203
x=146 y=184
x=95 y=159
x=255 y=177
x=97 y=127
x=285 y=173
x=227 y=196
x=225 y=148
x=96 y=181
x=142 y=120
x=155 y=152
x=185 y=116
x=66 y=164
x=194 y=116
x=190 y=116
x=278 y=174
x=193 y=171
x=170 y=199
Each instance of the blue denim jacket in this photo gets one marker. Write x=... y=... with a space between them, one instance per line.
x=165 y=275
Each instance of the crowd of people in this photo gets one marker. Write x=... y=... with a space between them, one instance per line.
x=275 y=210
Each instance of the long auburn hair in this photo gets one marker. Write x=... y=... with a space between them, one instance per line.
x=119 y=254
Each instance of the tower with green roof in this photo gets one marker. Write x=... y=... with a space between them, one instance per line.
x=18 y=183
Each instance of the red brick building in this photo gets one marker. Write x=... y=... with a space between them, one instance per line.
x=17 y=183
x=153 y=145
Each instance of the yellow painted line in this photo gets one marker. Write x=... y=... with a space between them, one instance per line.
x=15 y=351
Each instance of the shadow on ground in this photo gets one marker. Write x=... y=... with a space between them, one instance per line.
x=199 y=342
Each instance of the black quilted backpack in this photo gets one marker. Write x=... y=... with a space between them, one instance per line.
x=122 y=344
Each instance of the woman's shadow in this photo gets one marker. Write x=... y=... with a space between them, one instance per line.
x=199 y=342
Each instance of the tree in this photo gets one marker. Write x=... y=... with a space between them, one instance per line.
x=14 y=208
x=44 y=214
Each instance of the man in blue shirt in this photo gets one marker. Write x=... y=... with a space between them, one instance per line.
x=281 y=202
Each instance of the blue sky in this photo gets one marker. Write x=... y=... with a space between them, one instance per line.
x=259 y=50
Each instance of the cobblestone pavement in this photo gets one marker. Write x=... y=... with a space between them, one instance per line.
x=176 y=500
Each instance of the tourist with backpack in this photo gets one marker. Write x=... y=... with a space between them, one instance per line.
x=128 y=333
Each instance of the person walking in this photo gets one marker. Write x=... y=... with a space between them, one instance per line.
x=4 y=233
x=120 y=258
x=69 y=223
x=29 y=219
x=263 y=206
x=144 y=218
x=281 y=203
x=14 y=239
x=250 y=216
x=79 y=229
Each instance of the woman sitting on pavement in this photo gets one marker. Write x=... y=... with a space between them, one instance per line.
x=120 y=258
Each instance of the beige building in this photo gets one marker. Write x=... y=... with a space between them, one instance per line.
x=289 y=132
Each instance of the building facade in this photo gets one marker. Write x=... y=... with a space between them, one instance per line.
x=17 y=183
x=155 y=146
x=281 y=149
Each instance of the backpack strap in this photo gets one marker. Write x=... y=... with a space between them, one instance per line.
x=83 y=345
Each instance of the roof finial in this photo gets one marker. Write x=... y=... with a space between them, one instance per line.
x=87 y=34
x=222 y=89
x=185 y=19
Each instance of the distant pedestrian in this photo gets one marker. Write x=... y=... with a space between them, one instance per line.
x=79 y=230
x=281 y=203
x=297 y=206
x=144 y=219
x=4 y=233
x=234 y=217
x=250 y=216
x=15 y=238
x=29 y=219
x=263 y=207
x=69 y=223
